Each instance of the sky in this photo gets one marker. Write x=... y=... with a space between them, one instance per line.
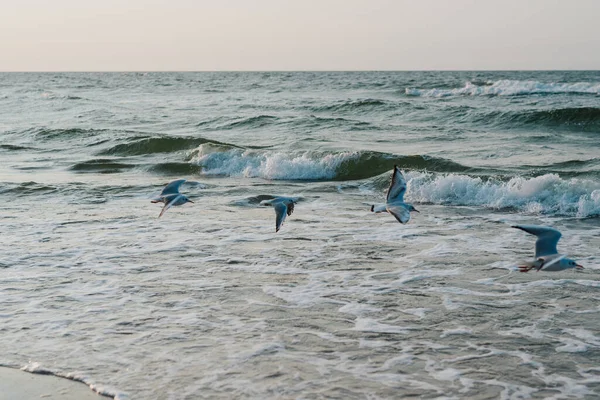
x=283 y=35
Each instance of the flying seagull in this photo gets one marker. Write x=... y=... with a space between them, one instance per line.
x=394 y=203
x=283 y=206
x=546 y=255
x=171 y=197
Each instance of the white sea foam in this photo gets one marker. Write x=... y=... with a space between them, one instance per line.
x=37 y=368
x=571 y=346
x=358 y=309
x=585 y=335
x=545 y=194
x=457 y=331
x=510 y=88
x=305 y=165
x=370 y=325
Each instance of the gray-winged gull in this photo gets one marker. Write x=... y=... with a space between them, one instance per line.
x=394 y=203
x=283 y=206
x=546 y=255
x=171 y=197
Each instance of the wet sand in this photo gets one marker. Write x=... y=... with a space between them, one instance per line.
x=17 y=384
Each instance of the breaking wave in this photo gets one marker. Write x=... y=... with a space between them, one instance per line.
x=310 y=165
x=510 y=88
x=545 y=194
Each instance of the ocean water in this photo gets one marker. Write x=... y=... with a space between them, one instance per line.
x=209 y=302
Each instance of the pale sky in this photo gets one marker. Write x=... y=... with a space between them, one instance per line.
x=267 y=35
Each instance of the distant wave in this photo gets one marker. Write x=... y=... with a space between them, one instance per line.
x=310 y=165
x=291 y=121
x=257 y=121
x=578 y=118
x=354 y=105
x=545 y=194
x=67 y=133
x=510 y=88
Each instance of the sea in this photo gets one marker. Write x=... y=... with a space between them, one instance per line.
x=209 y=302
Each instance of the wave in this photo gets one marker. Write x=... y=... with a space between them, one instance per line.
x=355 y=105
x=68 y=133
x=509 y=88
x=579 y=118
x=105 y=166
x=310 y=165
x=142 y=145
x=175 y=168
x=26 y=188
x=545 y=194
x=14 y=147
x=257 y=121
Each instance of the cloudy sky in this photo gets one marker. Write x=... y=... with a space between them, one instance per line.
x=217 y=35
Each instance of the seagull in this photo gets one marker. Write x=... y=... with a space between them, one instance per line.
x=394 y=203
x=283 y=206
x=546 y=255
x=171 y=197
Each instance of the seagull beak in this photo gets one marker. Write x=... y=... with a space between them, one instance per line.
x=189 y=201
x=414 y=209
x=579 y=266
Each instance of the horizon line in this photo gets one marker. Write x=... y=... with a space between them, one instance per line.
x=298 y=70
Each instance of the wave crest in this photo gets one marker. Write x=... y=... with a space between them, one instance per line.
x=545 y=194
x=507 y=87
x=310 y=165
x=142 y=145
x=355 y=105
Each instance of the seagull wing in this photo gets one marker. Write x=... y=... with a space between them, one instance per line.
x=281 y=210
x=169 y=202
x=172 y=187
x=397 y=186
x=400 y=212
x=547 y=239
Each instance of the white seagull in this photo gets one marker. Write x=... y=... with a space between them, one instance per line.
x=171 y=197
x=546 y=255
x=283 y=206
x=394 y=203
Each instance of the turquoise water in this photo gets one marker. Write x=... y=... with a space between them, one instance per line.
x=209 y=302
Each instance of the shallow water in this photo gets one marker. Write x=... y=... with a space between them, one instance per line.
x=209 y=302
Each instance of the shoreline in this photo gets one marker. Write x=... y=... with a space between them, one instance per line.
x=23 y=385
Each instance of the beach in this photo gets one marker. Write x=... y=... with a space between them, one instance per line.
x=15 y=384
x=208 y=301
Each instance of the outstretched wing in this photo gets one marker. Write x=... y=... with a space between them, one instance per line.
x=547 y=239
x=397 y=186
x=281 y=210
x=169 y=202
x=401 y=213
x=172 y=187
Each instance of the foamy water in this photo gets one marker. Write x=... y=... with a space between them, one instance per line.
x=209 y=302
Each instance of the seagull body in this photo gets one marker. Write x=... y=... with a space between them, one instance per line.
x=546 y=254
x=283 y=206
x=170 y=196
x=394 y=203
